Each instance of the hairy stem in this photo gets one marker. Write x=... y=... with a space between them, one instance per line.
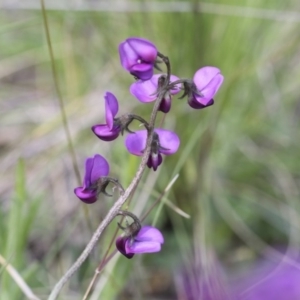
x=115 y=208
x=106 y=259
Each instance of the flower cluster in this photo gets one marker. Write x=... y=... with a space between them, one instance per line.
x=140 y=58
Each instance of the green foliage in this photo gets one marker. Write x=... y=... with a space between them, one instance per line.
x=16 y=226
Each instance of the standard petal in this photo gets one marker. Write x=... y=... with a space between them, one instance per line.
x=143 y=48
x=100 y=168
x=128 y=56
x=144 y=91
x=150 y=233
x=136 y=142
x=88 y=169
x=204 y=75
x=87 y=196
x=111 y=109
x=103 y=132
x=211 y=89
x=142 y=247
x=120 y=244
x=168 y=140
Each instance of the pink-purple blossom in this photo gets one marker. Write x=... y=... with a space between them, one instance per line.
x=148 y=240
x=270 y=281
x=110 y=130
x=95 y=168
x=147 y=91
x=138 y=57
x=207 y=82
x=164 y=142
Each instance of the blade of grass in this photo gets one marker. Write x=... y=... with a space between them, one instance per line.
x=18 y=279
x=62 y=110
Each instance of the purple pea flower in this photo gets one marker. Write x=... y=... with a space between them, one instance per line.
x=206 y=83
x=146 y=91
x=164 y=141
x=95 y=168
x=148 y=240
x=138 y=57
x=111 y=130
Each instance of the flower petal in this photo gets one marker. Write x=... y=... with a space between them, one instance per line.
x=111 y=109
x=150 y=233
x=167 y=140
x=120 y=244
x=144 y=91
x=210 y=90
x=128 y=56
x=88 y=169
x=143 y=48
x=142 y=71
x=176 y=89
x=154 y=161
x=136 y=142
x=197 y=105
x=142 y=247
x=85 y=195
x=103 y=132
x=204 y=75
x=165 y=104
x=100 y=168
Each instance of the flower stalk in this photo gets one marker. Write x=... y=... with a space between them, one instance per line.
x=114 y=209
x=139 y=57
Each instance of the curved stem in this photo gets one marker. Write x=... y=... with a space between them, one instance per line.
x=173 y=84
x=133 y=229
x=142 y=120
x=114 y=209
x=168 y=65
x=106 y=259
x=127 y=213
x=103 y=183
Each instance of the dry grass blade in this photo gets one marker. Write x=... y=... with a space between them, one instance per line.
x=18 y=279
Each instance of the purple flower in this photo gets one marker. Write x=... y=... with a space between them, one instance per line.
x=146 y=91
x=270 y=281
x=109 y=131
x=95 y=168
x=207 y=81
x=147 y=240
x=164 y=141
x=138 y=57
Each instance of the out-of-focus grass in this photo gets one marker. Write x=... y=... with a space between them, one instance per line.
x=242 y=152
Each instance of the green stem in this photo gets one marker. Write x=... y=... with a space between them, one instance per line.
x=60 y=99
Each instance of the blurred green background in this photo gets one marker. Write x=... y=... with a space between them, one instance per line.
x=238 y=162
